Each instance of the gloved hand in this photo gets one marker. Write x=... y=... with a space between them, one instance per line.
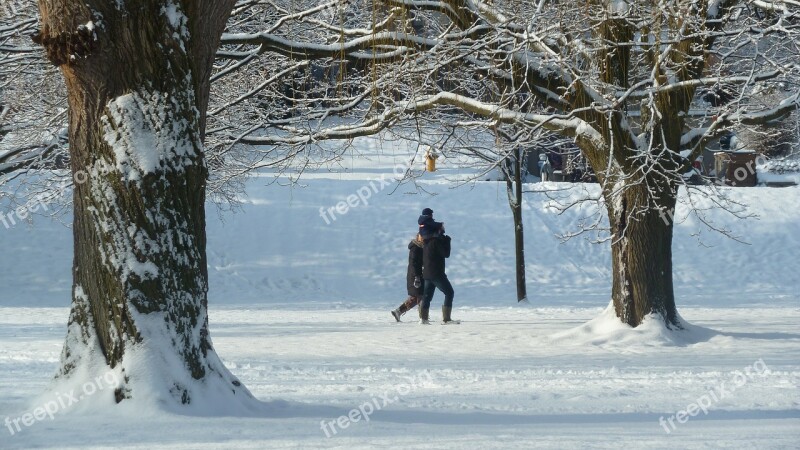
x=417 y=282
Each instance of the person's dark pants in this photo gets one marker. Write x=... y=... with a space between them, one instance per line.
x=443 y=284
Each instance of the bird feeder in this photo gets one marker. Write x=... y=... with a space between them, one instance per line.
x=430 y=160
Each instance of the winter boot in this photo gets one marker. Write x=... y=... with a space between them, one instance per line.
x=446 y=310
x=423 y=315
x=410 y=302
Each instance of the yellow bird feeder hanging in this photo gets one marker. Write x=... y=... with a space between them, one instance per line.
x=430 y=159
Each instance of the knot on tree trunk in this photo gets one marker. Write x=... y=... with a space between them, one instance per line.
x=67 y=47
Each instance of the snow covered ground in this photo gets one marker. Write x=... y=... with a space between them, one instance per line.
x=499 y=380
x=299 y=312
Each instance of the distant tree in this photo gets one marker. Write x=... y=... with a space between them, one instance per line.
x=514 y=175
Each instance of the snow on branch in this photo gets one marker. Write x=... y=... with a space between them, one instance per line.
x=358 y=48
x=783 y=108
x=710 y=81
x=778 y=6
x=567 y=125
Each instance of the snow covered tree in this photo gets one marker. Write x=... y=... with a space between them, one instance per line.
x=137 y=77
x=620 y=78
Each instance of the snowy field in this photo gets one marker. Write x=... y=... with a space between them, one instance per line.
x=299 y=311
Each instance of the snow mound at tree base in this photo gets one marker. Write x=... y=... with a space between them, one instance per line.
x=607 y=331
x=90 y=395
x=151 y=378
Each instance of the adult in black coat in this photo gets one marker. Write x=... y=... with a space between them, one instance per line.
x=434 y=252
x=414 y=281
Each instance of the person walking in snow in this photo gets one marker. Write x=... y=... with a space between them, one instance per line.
x=414 y=282
x=435 y=249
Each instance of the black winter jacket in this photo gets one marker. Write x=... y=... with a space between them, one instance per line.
x=434 y=252
x=414 y=268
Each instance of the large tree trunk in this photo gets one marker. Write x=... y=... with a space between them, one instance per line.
x=639 y=207
x=137 y=76
x=641 y=255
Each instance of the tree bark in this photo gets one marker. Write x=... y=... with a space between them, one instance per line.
x=137 y=76
x=641 y=255
x=639 y=206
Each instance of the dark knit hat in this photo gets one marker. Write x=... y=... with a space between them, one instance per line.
x=428 y=227
x=427 y=212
